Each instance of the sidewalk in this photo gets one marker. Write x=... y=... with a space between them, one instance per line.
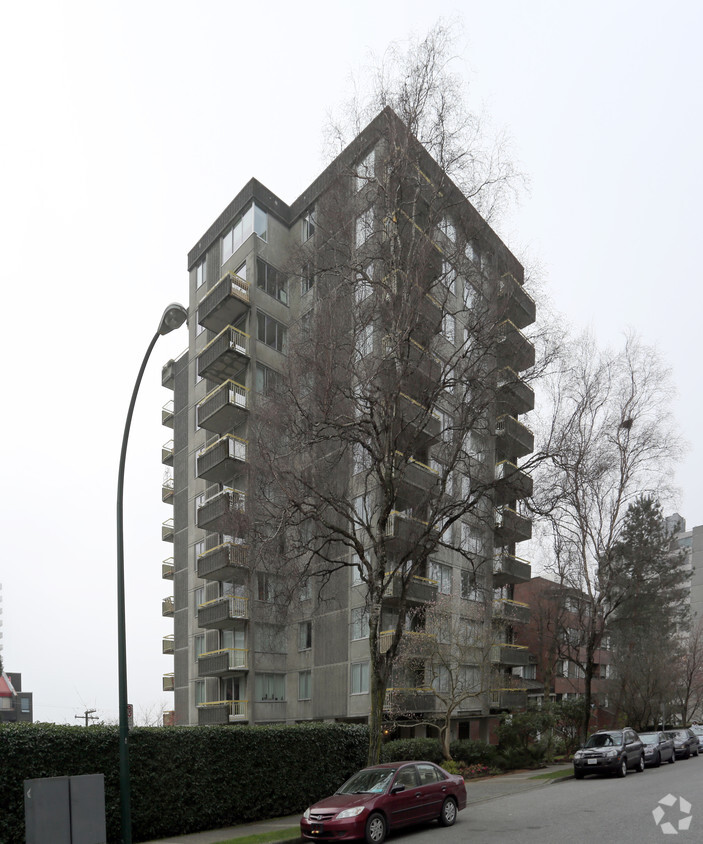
x=477 y=791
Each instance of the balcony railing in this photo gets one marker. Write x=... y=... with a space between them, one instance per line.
x=167 y=645
x=167 y=568
x=167 y=414
x=225 y=303
x=510 y=569
x=168 y=374
x=223 y=661
x=508 y=698
x=513 y=612
x=510 y=526
x=222 y=612
x=167 y=530
x=168 y=682
x=167 y=490
x=513 y=438
x=168 y=607
x=511 y=655
x=418 y=590
x=224 y=408
x=218 y=512
x=419 y=423
x=515 y=302
x=417 y=642
x=222 y=711
x=225 y=356
x=223 y=460
x=514 y=349
x=512 y=482
x=514 y=395
x=167 y=453
x=402 y=699
x=228 y=562
x=405 y=528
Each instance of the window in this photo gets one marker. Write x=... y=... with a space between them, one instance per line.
x=356 y=569
x=201 y=273
x=359 y=623
x=198 y=597
x=359 y=678
x=306 y=590
x=361 y=458
x=308 y=224
x=200 y=697
x=271 y=332
x=445 y=425
x=364 y=341
x=267 y=587
x=447 y=228
x=198 y=549
x=469 y=295
x=307 y=279
x=305 y=635
x=363 y=288
x=198 y=502
x=470 y=251
x=270 y=686
x=198 y=645
x=364 y=227
x=449 y=327
x=470 y=590
x=470 y=540
x=24 y=704
x=271 y=281
x=253 y=220
x=443 y=575
x=304 y=685
x=449 y=276
x=365 y=170
x=267 y=379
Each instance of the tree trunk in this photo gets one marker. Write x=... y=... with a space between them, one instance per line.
x=377 y=696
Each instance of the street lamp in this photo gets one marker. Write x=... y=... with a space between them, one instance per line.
x=173 y=317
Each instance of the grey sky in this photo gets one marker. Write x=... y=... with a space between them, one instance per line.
x=128 y=127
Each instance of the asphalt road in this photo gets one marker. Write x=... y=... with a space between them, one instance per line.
x=592 y=810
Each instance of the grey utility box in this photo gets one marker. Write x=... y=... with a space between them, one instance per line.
x=65 y=810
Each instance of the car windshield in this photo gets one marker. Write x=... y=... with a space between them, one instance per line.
x=604 y=740
x=650 y=738
x=698 y=730
x=370 y=780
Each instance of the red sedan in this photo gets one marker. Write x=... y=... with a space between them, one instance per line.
x=383 y=798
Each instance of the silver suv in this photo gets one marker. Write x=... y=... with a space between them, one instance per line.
x=610 y=752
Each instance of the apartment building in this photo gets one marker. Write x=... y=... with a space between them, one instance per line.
x=691 y=542
x=260 y=277
x=15 y=705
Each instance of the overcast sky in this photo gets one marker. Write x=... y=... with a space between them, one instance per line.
x=128 y=127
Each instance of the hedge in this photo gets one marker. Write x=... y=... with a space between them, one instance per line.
x=183 y=779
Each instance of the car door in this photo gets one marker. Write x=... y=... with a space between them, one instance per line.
x=433 y=788
x=404 y=806
x=632 y=748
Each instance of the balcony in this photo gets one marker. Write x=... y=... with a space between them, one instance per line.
x=510 y=569
x=511 y=526
x=167 y=530
x=168 y=374
x=167 y=414
x=418 y=590
x=514 y=349
x=222 y=712
x=418 y=423
x=167 y=645
x=167 y=453
x=509 y=699
x=514 y=395
x=225 y=562
x=167 y=569
x=511 y=612
x=225 y=356
x=168 y=607
x=168 y=682
x=223 y=612
x=227 y=302
x=510 y=655
x=403 y=529
x=223 y=510
x=513 y=439
x=222 y=662
x=514 y=302
x=222 y=461
x=417 y=369
x=511 y=483
x=223 y=409
x=403 y=700
x=417 y=642
x=414 y=480
x=167 y=490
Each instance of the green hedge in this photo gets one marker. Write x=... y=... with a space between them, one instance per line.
x=184 y=779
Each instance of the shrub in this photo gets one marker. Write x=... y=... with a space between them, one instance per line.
x=401 y=750
x=473 y=752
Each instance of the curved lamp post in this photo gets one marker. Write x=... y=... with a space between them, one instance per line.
x=173 y=317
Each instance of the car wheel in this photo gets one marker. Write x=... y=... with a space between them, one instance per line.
x=448 y=814
x=622 y=770
x=688 y=753
x=640 y=765
x=659 y=760
x=578 y=775
x=673 y=758
x=375 y=828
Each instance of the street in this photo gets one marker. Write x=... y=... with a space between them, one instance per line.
x=590 y=810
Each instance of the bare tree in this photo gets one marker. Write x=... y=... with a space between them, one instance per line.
x=688 y=695
x=608 y=438
x=375 y=451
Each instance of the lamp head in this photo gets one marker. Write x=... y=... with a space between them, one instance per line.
x=173 y=317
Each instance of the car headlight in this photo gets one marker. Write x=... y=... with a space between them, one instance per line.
x=578 y=754
x=648 y=750
x=351 y=813
x=610 y=753
x=306 y=814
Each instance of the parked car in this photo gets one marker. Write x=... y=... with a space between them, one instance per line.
x=386 y=797
x=610 y=752
x=658 y=748
x=685 y=742
x=699 y=733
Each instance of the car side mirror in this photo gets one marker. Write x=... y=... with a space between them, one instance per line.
x=397 y=788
